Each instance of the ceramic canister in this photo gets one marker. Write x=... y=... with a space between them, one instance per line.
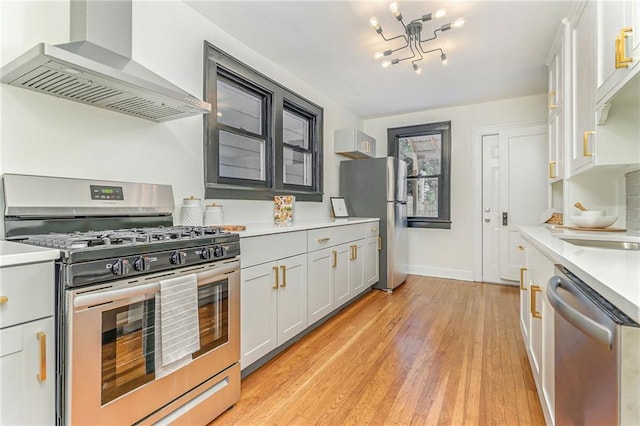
x=191 y=212
x=213 y=215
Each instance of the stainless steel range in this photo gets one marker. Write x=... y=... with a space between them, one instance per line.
x=147 y=313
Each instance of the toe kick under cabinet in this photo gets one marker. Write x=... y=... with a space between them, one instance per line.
x=291 y=280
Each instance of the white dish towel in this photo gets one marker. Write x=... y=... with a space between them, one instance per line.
x=177 y=331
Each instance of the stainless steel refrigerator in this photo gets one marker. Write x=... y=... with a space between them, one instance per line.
x=377 y=187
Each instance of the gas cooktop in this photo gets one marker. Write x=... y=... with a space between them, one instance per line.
x=93 y=245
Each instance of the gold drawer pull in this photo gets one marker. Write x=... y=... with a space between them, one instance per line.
x=284 y=276
x=3 y=300
x=552 y=168
x=534 y=313
x=334 y=262
x=521 y=248
x=42 y=338
x=277 y=280
x=522 y=287
x=379 y=243
x=323 y=240
x=585 y=144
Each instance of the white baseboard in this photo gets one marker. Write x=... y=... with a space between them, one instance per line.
x=453 y=274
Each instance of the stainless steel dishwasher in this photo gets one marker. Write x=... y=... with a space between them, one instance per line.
x=597 y=362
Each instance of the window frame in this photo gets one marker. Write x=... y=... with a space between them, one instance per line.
x=278 y=98
x=443 y=221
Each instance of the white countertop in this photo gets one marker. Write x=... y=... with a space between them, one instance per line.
x=613 y=273
x=13 y=254
x=265 y=228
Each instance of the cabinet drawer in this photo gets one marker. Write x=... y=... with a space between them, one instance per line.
x=27 y=292
x=372 y=229
x=332 y=236
x=267 y=248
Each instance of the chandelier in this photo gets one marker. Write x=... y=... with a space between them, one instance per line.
x=413 y=38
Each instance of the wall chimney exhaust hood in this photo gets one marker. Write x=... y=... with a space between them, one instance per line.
x=96 y=67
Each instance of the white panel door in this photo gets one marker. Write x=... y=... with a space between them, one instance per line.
x=514 y=193
x=321 y=287
x=341 y=290
x=523 y=191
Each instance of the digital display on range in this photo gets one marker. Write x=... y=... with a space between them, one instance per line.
x=99 y=192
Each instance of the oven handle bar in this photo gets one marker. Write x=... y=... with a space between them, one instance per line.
x=583 y=323
x=87 y=300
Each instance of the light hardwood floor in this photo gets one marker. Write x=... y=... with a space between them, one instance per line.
x=435 y=351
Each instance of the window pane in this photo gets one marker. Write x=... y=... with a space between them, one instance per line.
x=423 y=154
x=239 y=108
x=295 y=129
x=241 y=157
x=297 y=167
x=422 y=197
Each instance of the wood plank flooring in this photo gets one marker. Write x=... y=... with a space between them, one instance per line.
x=435 y=351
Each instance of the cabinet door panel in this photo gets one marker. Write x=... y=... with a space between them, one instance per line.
x=356 y=267
x=258 y=313
x=371 y=261
x=292 y=297
x=320 y=289
x=342 y=292
x=25 y=399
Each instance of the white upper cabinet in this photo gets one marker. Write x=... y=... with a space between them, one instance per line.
x=618 y=45
x=557 y=110
x=583 y=85
x=354 y=143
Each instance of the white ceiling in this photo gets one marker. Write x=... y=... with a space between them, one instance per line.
x=499 y=53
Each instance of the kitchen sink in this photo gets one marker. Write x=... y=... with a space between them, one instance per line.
x=616 y=245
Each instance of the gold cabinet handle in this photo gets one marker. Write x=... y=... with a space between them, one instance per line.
x=284 y=276
x=534 y=313
x=379 y=243
x=622 y=61
x=334 y=262
x=323 y=240
x=552 y=98
x=3 y=300
x=277 y=279
x=520 y=248
x=522 y=287
x=585 y=144
x=552 y=169
x=42 y=338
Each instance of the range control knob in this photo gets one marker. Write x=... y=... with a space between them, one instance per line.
x=178 y=258
x=142 y=263
x=120 y=267
x=207 y=253
x=218 y=251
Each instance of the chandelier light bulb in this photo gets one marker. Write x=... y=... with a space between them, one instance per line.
x=417 y=69
x=378 y=55
x=395 y=11
x=385 y=64
x=375 y=24
x=458 y=23
x=440 y=13
x=444 y=59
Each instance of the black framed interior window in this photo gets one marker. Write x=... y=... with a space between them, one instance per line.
x=261 y=139
x=426 y=148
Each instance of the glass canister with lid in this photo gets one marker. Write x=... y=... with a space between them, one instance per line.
x=213 y=215
x=191 y=212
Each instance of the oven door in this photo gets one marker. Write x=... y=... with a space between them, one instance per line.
x=111 y=372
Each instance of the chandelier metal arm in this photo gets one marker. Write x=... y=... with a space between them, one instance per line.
x=435 y=36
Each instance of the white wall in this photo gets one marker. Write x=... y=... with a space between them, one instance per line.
x=44 y=135
x=449 y=253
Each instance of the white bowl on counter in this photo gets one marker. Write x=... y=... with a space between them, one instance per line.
x=591 y=213
x=598 y=222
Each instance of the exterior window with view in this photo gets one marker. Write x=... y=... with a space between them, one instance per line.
x=261 y=139
x=426 y=148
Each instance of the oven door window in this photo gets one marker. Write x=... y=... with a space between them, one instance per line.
x=213 y=316
x=128 y=341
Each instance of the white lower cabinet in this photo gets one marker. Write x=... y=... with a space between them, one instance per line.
x=539 y=338
x=273 y=305
x=292 y=280
x=27 y=345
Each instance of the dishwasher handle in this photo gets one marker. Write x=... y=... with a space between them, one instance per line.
x=583 y=323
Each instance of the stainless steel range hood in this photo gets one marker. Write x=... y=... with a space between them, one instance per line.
x=96 y=67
